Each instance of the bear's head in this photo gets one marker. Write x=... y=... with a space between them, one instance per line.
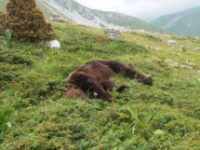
x=73 y=91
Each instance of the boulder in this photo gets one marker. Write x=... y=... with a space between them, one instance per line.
x=173 y=63
x=57 y=19
x=175 y=54
x=172 y=42
x=197 y=49
x=112 y=33
x=186 y=67
x=158 y=49
x=54 y=44
x=190 y=63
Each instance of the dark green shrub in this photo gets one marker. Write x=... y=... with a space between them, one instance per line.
x=184 y=49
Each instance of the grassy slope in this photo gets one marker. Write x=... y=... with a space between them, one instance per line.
x=165 y=116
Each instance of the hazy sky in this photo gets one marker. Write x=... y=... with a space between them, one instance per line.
x=144 y=9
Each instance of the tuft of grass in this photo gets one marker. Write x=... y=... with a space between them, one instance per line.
x=184 y=49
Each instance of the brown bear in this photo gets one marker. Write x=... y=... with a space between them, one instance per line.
x=93 y=77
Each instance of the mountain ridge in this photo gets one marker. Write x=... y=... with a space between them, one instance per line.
x=97 y=18
x=184 y=23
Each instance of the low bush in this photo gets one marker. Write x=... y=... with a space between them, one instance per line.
x=27 y=22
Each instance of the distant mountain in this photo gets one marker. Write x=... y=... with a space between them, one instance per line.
x=77 y=13
x=74 y=12
x=185 y=23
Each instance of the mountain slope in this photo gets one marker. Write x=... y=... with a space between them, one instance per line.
x=126 y=21
x=74 y=12
x=185 y=23
x=82 y=15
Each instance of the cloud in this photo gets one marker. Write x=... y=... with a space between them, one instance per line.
x=144 y=9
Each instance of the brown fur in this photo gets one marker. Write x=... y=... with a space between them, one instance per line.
x=93 y=77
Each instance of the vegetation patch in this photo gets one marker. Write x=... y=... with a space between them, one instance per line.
x=35 y=116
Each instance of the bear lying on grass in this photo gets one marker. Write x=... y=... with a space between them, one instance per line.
x=93 y=77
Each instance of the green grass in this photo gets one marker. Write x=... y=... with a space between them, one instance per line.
x=165 y=116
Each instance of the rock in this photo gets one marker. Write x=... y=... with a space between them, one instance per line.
x=175 y=54
x=177 y=65
x=112 y=33
x=173 y=63
x=57 y=19
x=129 y=30
x=197 y=49
x=172 y=42
x=54 y=44
x=190 y=63
x=157 y=49
x=141 y=30
x=186 y=67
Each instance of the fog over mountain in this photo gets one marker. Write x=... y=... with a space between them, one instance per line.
x=144 y=9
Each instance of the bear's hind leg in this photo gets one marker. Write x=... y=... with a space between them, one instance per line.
x=128 y=72
x=109 y=85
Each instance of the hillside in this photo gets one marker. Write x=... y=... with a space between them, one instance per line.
x=74 y=12
x=34 y=115
x=185 y=23
x=2 y=4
